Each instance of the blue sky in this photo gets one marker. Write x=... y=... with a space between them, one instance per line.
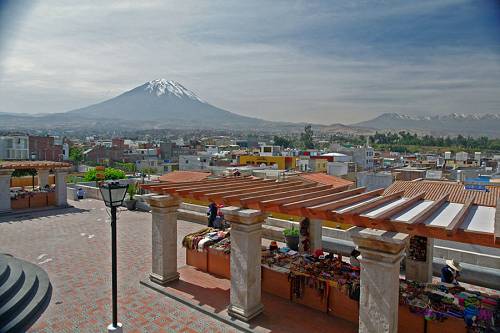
x=315 y=61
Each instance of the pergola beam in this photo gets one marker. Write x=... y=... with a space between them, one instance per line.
x=183 y=190
x=322 y=199
x=373 y=204
x=428 y=211
x=235 y=196
x=343 y=201
x=236 y=193
x=386 y=214
x=460 y=217
x=279 y=199
x=288 y=192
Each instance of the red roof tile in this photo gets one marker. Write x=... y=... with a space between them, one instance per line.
x=323 y=178
x=434 y=189
x=184 y=176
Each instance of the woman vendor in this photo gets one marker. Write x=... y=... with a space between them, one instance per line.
x=450 y=272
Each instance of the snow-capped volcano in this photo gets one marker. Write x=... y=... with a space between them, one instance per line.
x=167 y=103
x=161 y=87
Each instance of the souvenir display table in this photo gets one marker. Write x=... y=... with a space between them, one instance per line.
x=208 y=250
x=326 y=283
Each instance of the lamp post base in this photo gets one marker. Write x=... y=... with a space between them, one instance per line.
x=115 y=329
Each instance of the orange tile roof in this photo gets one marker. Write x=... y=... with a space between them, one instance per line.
x=184 y=176
x=323 y=178
x=33 y=165
x=434 y=189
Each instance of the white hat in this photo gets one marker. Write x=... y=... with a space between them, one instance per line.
x=454 y=264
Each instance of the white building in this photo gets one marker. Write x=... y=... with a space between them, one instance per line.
x=270 y=150
x=363 y=156
x=303 y=164
x=195 y=162
x=461 y=156
x=447 y=155
x=338 y=157
x=477 y=156
x=212 y=149
x=337 y=168
x=14 y=147
x=373 y=181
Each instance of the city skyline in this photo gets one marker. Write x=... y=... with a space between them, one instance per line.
x=320 y=62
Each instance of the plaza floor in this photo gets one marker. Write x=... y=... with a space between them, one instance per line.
x=73 y=246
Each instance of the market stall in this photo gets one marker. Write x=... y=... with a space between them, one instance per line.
x=328 y=283
x=384 y=222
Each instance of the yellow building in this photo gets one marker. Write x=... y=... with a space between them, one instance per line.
x=283 y=162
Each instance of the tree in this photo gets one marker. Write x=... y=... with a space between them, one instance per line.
x=307 y=137
x=76 y=154
x=283 y=141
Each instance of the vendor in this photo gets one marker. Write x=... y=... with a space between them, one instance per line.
x=353 y=260
x=450 y=272
x=212 y=214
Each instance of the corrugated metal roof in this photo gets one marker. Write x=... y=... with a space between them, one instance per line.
x=434 y=189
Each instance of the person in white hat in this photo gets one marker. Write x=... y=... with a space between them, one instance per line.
x=450 y=272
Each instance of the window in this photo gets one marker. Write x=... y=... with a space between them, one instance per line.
x=267 y=149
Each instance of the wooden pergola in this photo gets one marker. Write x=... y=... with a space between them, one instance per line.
x=38 y=165
x=465 y=222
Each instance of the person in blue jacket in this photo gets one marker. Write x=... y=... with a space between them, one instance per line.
x=450 y=272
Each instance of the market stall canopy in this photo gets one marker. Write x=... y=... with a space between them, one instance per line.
x=18 y=165
x=412 y=212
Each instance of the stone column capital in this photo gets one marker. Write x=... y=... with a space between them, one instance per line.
x=163 y=203
x=379 y=241
x=61 y=171
x=238 y=215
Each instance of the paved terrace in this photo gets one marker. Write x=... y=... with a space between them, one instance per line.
x=73 y=246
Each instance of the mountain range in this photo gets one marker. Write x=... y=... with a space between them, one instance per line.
x=453 y=124
x=163 y=104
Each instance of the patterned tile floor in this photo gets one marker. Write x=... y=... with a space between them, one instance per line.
x=73 y=246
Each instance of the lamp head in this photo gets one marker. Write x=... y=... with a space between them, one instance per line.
x=113 y=193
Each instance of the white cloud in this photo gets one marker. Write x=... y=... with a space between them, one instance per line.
x=69 y=55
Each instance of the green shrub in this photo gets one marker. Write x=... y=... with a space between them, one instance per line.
x=109 y=174
x=132 y=190
x=291 y=232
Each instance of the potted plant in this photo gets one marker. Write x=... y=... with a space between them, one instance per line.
x=131 y=202
x=292 y=238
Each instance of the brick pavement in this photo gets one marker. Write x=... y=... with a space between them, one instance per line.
x=73 y=246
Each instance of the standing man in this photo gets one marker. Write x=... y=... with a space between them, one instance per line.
x=212 y=214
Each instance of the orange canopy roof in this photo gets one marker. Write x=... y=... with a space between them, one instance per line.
x=184 y=176
x=323 y=178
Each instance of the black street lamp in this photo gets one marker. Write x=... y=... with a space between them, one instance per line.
x=113 y=194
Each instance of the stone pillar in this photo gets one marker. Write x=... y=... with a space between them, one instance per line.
x=246 y=244
x=381 y=254
x=43 y=177
x=164 y=236
x=61 y=190
x=419 y=265
x=5 y=175
x=316 y=234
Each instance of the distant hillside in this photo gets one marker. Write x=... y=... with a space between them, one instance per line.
x=452 y=124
